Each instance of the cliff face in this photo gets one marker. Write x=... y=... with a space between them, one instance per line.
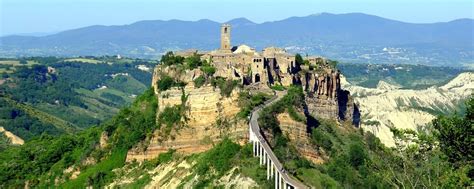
x=210 y=117
x=325 y=98
x=177 y=73
x=299 y=136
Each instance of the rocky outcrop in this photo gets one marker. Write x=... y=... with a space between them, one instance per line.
x=210 y=117
x=322 y=108
x=325 y=98
x=300 y=137
x=12 y=137
x=323 y=84
x=176 y=72
x=104 y=138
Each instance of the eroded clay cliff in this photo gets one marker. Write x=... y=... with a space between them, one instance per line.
x=209 y=115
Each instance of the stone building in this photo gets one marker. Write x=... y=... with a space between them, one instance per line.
x=225 y=38
x=269 y=67
x=275 y=66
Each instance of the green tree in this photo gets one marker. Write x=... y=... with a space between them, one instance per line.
x=193 y=61
x=455 y=134
x=357 y=154
x=170 y=59
x=299 y=59
x=209 y=70
x=165 y=83
x=199 y=81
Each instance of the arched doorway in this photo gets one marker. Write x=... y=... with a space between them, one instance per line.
x=257 y=78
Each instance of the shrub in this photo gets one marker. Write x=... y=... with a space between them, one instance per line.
x=455 y=134
x=226 y=86
x=373 y=142
x=170 y=59
x=299 y=59
x=278 y=87
x=357 y=154
x=170 y=115
x=165 y=83
x=322 y=139
x=218 y=158
x=193 y=62
x=199 y=81
x=209 y=70
x=247 y=102
x=166 y=157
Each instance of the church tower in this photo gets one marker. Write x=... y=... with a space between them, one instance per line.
x=225 y=38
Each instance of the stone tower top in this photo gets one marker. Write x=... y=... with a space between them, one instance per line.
x=225 y=38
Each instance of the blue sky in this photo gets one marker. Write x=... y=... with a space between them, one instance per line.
x=32 y=16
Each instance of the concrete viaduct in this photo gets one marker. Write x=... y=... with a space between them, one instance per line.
x=261 y=148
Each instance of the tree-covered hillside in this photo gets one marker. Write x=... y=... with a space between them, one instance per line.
x=43 y=160
x=405 y=75
x=48 y=90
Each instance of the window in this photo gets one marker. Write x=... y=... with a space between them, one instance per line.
x=225 y=30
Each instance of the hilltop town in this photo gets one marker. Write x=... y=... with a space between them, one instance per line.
x=204 y=98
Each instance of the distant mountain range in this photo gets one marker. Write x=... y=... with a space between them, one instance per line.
x=353 y=37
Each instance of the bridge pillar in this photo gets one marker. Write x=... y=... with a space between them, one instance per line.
x=271 y=169
x=268 y=169
x=276 y=179
x=266 y=158
x=279 y=182
x=261 y=155
x=255 y=148
x=258 y=149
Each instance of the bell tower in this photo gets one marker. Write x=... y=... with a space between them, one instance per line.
x=225 y=38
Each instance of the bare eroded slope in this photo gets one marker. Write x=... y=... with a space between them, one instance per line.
x=389 y=106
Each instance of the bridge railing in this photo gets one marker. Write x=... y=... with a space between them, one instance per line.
x=254 y=130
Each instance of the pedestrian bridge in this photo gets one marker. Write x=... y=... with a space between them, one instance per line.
x=275 y=169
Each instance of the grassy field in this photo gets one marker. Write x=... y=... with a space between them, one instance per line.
x=84 y=60
x=94 y=61
x=16 y=63
x=8 y=66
